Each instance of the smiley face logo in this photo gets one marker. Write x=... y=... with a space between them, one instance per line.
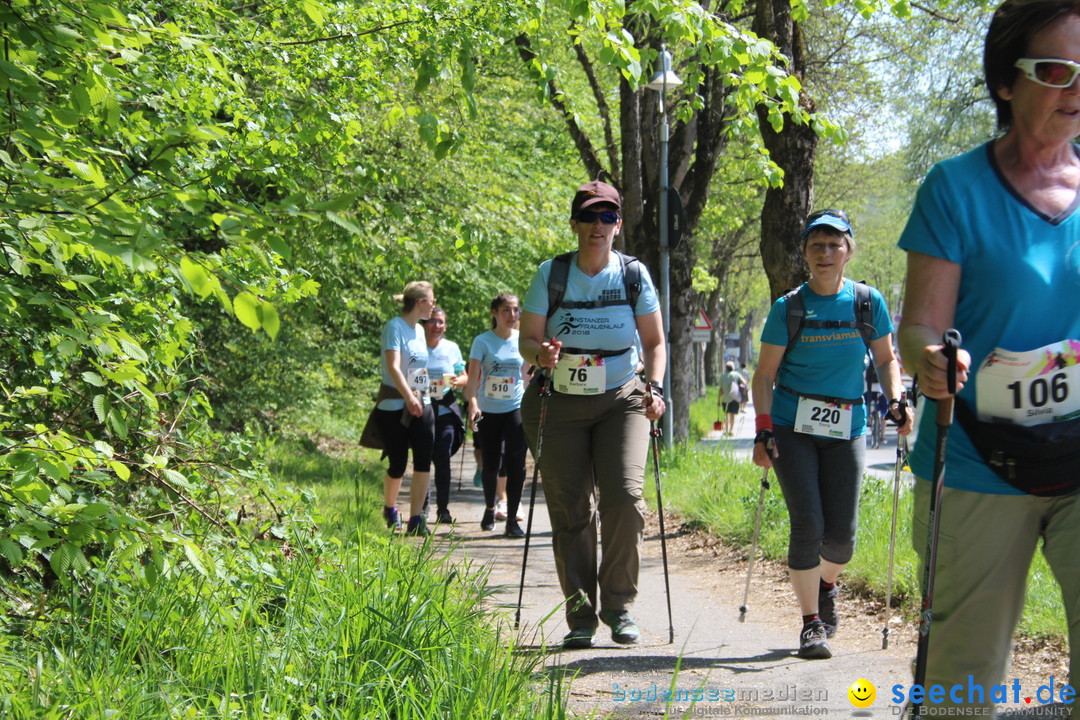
x=862 y=693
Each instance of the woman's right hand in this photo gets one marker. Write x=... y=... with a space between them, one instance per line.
x=931 y=370
x=548 y=356
x=762 y=455
x=761 y=458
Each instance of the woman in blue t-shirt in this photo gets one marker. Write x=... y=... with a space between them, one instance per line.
x=811 y=419
x=591 y=432
x=497 y=377
x=446 y=370
x=403 y=405
x=992 y=251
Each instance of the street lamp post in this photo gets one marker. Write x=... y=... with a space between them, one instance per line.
x=659 y=82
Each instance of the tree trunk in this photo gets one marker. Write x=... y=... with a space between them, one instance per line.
x=714 y=353
x=793 y=150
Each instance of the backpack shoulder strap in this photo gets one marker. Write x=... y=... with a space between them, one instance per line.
x=796 y=316
x=864 y=312
x=560 y=270
x=631 y=269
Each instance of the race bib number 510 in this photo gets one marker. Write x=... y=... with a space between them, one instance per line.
x=1030 y=388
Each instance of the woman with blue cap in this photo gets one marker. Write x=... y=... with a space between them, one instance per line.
x=811 y=420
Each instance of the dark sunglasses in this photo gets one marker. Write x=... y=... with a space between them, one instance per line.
x=1050 y=72
x=831 y=213
x=608 y=217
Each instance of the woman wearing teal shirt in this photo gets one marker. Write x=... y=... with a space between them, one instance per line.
x=497 y=377
x=811 y=420
x=992 y=246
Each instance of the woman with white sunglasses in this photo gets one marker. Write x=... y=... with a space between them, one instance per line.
x=994 y=251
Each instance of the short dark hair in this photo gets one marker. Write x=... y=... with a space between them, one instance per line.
x=1014 y=23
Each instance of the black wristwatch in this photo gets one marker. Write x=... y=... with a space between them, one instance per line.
x=658 y=389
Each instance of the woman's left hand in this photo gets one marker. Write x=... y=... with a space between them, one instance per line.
x=654 y=405
x=905 y=427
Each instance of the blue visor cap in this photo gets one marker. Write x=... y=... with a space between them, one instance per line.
x=829 y=221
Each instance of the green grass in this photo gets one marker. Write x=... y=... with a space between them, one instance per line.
x=717 y=492
x=342 y=623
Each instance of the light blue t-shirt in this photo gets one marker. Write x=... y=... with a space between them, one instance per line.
x=604 y=328
x=411 y=344
x=442 y=359
x=1019 y=285
x=825 y=361
x=501 y=387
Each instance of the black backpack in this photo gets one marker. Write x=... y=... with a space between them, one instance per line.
x=796 y=316
x=560 y=270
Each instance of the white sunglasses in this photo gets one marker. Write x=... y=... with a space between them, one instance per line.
x=1050 y=72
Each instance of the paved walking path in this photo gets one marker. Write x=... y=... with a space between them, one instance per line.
x=733 y=668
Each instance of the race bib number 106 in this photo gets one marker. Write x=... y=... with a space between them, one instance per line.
x=1030 y=388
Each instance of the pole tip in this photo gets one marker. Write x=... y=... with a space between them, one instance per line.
x=742 y=613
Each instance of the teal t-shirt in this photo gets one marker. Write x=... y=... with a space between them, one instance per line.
x=612 y=328
x=501 y=387
x=441 y=359
x=411 y=344
x=1019 y=286
x=825 y=361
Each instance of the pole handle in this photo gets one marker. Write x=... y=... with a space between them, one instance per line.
x=950 y=343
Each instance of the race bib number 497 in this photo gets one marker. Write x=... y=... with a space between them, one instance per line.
x=1030 y=388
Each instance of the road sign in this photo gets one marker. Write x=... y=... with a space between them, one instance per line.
x=702 y=331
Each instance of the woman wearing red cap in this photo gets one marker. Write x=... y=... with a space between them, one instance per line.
x=583 y=330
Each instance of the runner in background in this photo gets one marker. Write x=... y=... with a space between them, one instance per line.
x=403 y=406
x=446 y=372
x=497 y=377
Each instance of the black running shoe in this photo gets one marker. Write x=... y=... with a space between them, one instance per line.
x=826 y=600
x=444 y=517
x=812 y=643
x=513 y=530
x=579 y=639
x=417 y=526
x=488 y=521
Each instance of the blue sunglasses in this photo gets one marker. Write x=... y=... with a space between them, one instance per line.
x=608 y=217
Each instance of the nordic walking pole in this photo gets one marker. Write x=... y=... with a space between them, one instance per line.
x=950 y=344
x=461 y=467
x=545 y=393
x=753 y=543
x=901 y=460
x=654 y=431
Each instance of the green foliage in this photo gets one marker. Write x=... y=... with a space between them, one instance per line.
x=375 y=629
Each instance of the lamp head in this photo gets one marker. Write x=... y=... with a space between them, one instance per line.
x=665 y=77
